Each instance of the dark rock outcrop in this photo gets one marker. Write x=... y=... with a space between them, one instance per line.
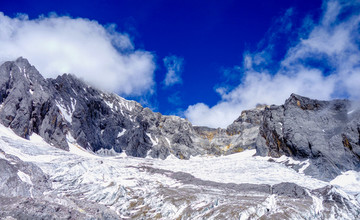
x=67 y=111
x=27 y=103
x=326 y=132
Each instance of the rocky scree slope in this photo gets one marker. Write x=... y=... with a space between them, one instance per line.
x=325 y=134
x=65 y=109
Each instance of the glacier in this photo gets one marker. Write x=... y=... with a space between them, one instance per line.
x=237 y=186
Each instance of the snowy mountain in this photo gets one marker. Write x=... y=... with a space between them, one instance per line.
x=39 y=181
x=66 y=109
x=68 y=150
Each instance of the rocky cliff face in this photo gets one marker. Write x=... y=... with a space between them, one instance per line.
x=325 y=132
x=28 y=104
x=65 y=110
x=317 y=138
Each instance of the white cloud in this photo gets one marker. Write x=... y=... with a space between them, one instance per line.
x=174 y=67
x=99 y=55
x=333 y=42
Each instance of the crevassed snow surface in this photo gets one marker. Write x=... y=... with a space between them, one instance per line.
x=111 y=180
x=348 y=181
x=236 y=168
x=239 y=168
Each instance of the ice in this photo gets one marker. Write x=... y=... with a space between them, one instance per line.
x=36 y=139
x=154 y=142
x=128 y=105
x=24 y=177
x=73 y=104
x=318 y=206
x=121 y=133
x=350 y=112
x=121 y=181
x=168 y=141
x=305 y=165
x=240 y=168
x=271 y=203
x=64 y=112
x=75 y=148
x=74 y=91
x=348 y=181
x=111 y=105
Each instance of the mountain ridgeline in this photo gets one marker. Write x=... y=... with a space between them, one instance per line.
x=66 y=110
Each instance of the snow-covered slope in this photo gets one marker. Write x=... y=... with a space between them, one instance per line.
x=53 y=173
x=81 y=185
x=322 y=135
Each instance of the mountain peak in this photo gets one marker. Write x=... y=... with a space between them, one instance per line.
x=66 y=111
x=22 y=62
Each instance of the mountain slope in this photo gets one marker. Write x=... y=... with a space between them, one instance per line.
x=52 y=183
x=327 y=133
x=66 y=109
x=88 y=154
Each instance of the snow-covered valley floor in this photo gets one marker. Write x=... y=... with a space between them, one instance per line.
x=238 y=186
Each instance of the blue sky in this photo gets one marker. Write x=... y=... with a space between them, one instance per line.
x=197 y=59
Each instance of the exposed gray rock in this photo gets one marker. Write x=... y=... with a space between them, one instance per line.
x=28 y=104
x=65 y=109
x=290 y=190
x=326 y=132
x=84 y=186
x=38 y=208
x=19 y=178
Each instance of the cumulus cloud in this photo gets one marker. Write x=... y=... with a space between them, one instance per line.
x=324 y=63
x=174 y=67
x=60 y=44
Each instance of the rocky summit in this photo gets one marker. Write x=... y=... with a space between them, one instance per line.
x=69 y=150
x=65 y=109
x=327 y=133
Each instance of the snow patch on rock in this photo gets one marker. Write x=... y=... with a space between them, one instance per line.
x=24 y=177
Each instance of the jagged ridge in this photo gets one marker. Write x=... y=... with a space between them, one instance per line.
x=325 y=132
x=66 y=110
